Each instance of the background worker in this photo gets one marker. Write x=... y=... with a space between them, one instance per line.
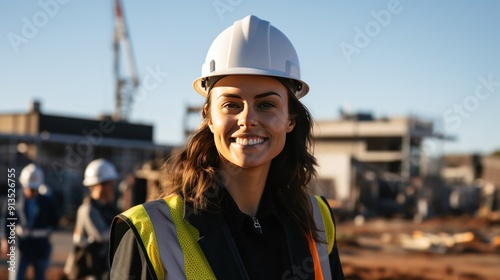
x=94 y=216
x=236 y=204
x=37 y=216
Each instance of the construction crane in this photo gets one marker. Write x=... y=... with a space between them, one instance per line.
x=189 y=112
x=126 y=84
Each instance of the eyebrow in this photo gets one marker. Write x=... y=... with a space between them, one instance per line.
x=261 y=95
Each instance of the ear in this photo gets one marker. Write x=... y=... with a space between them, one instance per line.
x=205 y=113
x=291 y=125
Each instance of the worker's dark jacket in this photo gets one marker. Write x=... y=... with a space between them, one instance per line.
x=215 y=245
x=34 y=220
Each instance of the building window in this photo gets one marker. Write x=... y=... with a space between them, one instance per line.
x=383 y=144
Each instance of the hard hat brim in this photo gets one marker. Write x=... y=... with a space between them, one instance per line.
x=197 y=84
x=89 y=182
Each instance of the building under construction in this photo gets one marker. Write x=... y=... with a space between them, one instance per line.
x=367 y=162
x=63 y=146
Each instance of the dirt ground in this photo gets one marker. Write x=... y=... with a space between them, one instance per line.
x=374 y=250
x=385 y=249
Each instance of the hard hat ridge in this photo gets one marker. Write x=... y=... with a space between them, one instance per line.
x=250 y=35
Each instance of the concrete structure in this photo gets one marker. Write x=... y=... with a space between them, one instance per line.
x=475 y=179
x=360 y=147
x=491 y=187
x=461 y=169
x=63 y=146
x=491 y=170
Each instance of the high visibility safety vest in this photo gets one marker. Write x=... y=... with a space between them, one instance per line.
x=185 y=259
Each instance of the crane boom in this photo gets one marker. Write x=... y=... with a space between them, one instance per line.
x=126 y=85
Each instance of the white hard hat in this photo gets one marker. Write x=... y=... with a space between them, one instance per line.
x=99 y=171
x=31 y=176
x=251 y=46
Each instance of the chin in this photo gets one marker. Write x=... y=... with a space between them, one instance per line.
x=250 y=164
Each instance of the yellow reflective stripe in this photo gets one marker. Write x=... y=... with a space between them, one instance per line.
x=140 y=219
x=39 y=233
x=171 y=255
x=195 y=263
x=328 y=222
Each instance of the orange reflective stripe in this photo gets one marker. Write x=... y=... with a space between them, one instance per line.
x=324 y=225
x=318 y=272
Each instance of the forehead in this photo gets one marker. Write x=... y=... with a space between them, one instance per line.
x=248 y=85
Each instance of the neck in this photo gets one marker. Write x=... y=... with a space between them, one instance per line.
x=245 y=185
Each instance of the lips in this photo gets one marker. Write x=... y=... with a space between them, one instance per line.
x=248 y=141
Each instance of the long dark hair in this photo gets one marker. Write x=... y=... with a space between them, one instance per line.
x=193 y=171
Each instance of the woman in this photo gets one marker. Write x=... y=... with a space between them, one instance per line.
x=236 y=204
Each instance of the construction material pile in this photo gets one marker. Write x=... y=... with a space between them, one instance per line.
x=458 y=247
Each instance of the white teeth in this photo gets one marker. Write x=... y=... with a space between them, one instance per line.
x=249 y=141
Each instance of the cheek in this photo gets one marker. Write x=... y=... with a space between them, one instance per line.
x=219 y=124
x=280 y=124
x=216 y=123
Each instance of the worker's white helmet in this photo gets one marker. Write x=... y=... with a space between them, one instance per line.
x=251 y=46
x=99 y=171
x=31 y=176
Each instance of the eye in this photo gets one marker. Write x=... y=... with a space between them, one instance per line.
x=230 y=105
x=265 y=105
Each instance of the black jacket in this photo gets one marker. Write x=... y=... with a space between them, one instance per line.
x=45 y=217
x=215 y=240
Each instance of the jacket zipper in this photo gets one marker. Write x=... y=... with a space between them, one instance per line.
x=256 y=224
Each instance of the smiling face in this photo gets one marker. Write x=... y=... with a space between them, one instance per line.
x=249 y=118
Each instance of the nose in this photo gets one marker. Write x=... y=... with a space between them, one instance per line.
x=247 y=117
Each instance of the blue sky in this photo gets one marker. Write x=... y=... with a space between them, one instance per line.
x=437 y=59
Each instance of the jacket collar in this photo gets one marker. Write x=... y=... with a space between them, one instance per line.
x=217 y=244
